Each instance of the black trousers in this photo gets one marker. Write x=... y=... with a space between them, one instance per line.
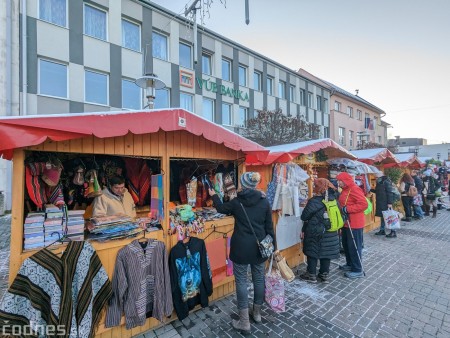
x=407 y=205
x=351 y=252
x=312 y=265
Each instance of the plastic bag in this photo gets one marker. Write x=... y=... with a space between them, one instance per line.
x=274 y=293
x=391 y=219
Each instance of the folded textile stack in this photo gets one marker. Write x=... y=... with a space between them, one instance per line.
x=75 y=225
x=112 y=227
x=53 y=224
x=33 y=229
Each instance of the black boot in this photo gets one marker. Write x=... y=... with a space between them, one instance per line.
x=323 y=277
x=309 y=277
x=427 y=210
x=393 y=234
x=434 y=213
x=380 y=233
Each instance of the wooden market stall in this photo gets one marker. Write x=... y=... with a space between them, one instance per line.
x=408 y=161
x=162 y=135
x=311 y=156
x=380 y=158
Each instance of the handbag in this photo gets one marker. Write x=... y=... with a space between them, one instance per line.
x=285 y=270
x=266 y=245
x=274 y=291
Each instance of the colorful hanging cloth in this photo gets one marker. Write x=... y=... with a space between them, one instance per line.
x=138 y=179
x=157 y=197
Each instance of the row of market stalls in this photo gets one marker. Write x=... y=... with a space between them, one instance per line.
x=182 y=153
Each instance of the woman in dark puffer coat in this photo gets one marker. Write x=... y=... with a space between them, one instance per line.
x=318 y=244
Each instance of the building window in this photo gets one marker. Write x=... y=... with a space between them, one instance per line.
x=206 y=64
x=319 y=102
x=379 y=140
x=359 y=114
x=342 y=136
x=350 y=138
x=292 y=93
x=350 y=111
x=226 y=70
x=53 y=11
x=257 y=85
x=95 y=22
x=302 y=97
x=96 y=87
x=162 y=99
x=159 y=46
x=185 y=55
x=131 y=95
x=375 y=122
x=310 y=100
x=337 y=106
x=52 y=79
x=131 y=35
x=208 y=109
x=281 y=89
x=187 y=102
x=325 y=106
x=227 y=119
x=242 y=76
x=243 y=117
x=269 y=85
x=326 y=132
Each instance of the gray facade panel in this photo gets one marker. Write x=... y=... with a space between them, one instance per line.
x=251 y=108
x=236 y=72
x=32 y=60
x=76 y=31
x=218 y=111
x=115 y=76
x=175 y=92
x=264 y=85
x=147 y=39
x=198 y=65
x=76 y=107
x=277 y=103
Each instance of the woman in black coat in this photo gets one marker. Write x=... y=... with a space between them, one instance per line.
x=384 y=199
x=318 y=244
x=244 y=249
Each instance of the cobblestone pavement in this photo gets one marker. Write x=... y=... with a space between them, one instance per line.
x=406 y=293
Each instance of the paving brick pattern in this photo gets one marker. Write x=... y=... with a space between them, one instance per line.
x=405 y=293
x=5 y=237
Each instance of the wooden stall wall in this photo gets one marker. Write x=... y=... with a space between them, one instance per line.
x=160 y=144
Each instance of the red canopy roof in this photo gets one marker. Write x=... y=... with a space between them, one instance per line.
x=287 y=152
x=407 y=160
x=18 y=132
x=375 y=155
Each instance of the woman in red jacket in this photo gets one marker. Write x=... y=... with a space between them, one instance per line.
x=353 y=203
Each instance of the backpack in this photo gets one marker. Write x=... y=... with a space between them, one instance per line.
x=334 y=215
x=412 y=191
x=369 y=207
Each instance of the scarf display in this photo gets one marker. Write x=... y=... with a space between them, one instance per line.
x=157 y=197
x=138 y=179
x=40 y=192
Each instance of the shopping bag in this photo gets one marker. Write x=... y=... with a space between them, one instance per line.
x=417 y=200
x=391 y=219
x=288 y=231
x=274 y=293
x=285 y=271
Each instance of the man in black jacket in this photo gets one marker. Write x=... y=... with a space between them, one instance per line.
x=418 y=212
x=384 y=200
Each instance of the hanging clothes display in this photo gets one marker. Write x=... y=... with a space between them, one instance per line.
x=217 y=254
x=141 y=284
x=138 y=179
x=42 y=181
x=190 y=276
x=157 y=197
x=287 y=188
x=69 y=291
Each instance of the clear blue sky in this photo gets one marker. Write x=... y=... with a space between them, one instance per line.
x=396 y=52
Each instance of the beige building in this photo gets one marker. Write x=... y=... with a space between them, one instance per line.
x=353 y=120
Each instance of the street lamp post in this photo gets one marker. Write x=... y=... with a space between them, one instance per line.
x=150 y=82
